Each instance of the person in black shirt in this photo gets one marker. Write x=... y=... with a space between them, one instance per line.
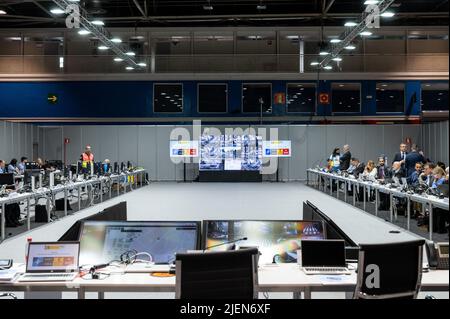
x=345 y=158
x=400 y=156
x=411 y=160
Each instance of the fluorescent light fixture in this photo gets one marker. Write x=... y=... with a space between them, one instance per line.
x=366 y=33
x=350 y=24
x=261 y=7
x=118 y=59
x=15 y=38
x=130 y=53
x=388 y=14
x=116 y=40
x=369 y=2
x=2 y=12
x=129 y=68
x=57 y=11
x=335 y=41
x=350 y=47
x=142 y=64
x=315 y=63
x=98 y=22
x=323 y=53
x=61 y=62
x=337 y=59
x=84 y=32
x=208 y=7
x=103 y=47
x=328 y=67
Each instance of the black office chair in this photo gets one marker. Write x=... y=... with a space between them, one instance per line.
x=217 y=275
x=390 y=271
x=8 y=294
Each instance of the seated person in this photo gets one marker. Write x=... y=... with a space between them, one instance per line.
x=426 y=178
x=12 y=167
x=440 y=216
x=21 y=165
x=370 y=172
x=413 y=180
x=358 y=167
x=2 y=167
x=439 y=177
x=397 y=170
x=382 y=170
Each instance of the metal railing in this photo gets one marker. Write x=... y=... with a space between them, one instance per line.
x=239 y=63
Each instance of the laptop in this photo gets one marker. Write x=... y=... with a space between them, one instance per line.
x=51 y=261
x=324 y=257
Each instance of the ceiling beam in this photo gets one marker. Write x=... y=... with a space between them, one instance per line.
x=43 y=8
x=138 y=6
x=330 y=4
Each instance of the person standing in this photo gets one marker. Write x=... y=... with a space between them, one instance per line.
x=400 y=156
x=345 y=159
x=334 y=160
x=411 y=159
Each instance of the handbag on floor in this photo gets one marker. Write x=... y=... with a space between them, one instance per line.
x=40 y=215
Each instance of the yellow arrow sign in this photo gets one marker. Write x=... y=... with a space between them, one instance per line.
x=52 y=98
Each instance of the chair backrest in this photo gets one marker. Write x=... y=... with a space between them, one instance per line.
x=388 y=271
x=217 y=275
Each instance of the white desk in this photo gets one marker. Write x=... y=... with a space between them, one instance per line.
x=286 y=278
x=431 y=201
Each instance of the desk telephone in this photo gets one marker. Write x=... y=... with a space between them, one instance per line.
x=438 y=255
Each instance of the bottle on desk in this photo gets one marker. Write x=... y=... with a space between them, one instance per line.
x=27 y=245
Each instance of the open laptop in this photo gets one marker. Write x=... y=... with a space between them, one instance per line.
x=51 y=261
x=324 y=257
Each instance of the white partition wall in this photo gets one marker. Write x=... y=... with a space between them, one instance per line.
x=148 y=145
x=435 y=136
x=16 y=140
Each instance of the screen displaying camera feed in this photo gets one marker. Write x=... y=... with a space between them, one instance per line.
x=277 y=241
x=231 y=153
x=103 y=242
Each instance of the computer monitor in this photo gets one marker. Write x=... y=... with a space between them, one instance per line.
x=277 y=241
x=7 y=179
x=53 y=257
x=323 y=253
x=29 y=173
x=32 y=165
x=102 y=242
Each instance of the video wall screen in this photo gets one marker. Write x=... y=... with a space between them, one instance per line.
x=230 y=153
x=277 y=241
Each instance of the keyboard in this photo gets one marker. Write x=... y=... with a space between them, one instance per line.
x=326 y=271
x=47 y=277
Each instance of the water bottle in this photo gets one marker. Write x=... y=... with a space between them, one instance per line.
x=27 y=245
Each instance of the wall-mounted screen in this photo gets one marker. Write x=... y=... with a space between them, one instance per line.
x=102 y=242
x=230 y=153
x=277 y=148
x=277 y=241
x=183 y=148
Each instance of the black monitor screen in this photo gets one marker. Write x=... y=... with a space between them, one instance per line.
x=6 y=179
x=277 y=241
x=103 y=242
x=323 y=253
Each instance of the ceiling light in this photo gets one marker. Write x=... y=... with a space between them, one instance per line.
x=328 y=67
x=324 y=53
x=130 y=53
x=116 y=40
x=84 y=32
x=57 y=11
x=129 y=68
x=315 y=63
x=2 y=12
x=208 y=7
x=14 y=38
x=103 y=47
x=118 y=59
x=261 y=7
x=142 y=64
x=366 y=33
x=337 y=59
x=350 y=47
x=369 y=2
x=388 y=14
x=97 y=22
x=335 y=41
x=350 y=24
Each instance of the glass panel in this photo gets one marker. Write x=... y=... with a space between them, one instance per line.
x=301 y=97
x=390 y=97
x=212 y=98
x=435 y=97
x=168 y=98
x=255 y=97
x=346 y=97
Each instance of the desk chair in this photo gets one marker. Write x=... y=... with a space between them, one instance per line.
x=13 y=296
x=217 y=275
x=400 y=270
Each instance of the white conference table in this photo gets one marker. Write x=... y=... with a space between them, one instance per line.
x=131 y=178
x=430 y=200
x=287 y=278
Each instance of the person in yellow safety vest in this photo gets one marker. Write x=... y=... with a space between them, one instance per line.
x=87 y=157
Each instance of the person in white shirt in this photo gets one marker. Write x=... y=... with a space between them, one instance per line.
x=370 y=171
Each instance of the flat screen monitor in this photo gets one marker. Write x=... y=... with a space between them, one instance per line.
x=102 y=242
x=277 y=241
x=7 y=179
